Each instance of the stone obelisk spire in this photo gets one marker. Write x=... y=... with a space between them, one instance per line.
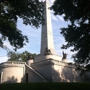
x=46 y=34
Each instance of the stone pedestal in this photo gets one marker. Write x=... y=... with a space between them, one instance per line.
x=29 y=62
x=56 y=71
x=46 y=57
x=65 y=60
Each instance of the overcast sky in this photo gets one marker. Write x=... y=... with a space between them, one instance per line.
x=34 y=36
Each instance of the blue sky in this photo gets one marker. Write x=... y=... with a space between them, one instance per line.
x=34 y=36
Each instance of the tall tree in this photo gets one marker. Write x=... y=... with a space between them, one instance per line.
x=29 y=10
x=77 y=34
x=13 y=56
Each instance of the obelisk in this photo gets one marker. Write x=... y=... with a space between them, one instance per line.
x=46 y=33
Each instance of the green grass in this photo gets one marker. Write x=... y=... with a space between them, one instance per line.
x=45 y=86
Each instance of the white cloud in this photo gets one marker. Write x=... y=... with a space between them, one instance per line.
x=56 y=17
x=33 y=33
x=3 y=59
x=41 y=0
x=51 y=1
x=53 y=17
x=60 y=17
x=7 y=44
x=52 y=12
x=20 y=20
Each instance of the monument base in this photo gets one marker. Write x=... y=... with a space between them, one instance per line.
x=39 y=58
x=65 y=60
x=56 y=71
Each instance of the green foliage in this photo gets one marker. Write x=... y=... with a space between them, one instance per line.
x=12 y=56
x=19 y=56
x=77 y=34
x=29 y=10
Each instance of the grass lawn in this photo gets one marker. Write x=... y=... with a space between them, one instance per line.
x=45 y=86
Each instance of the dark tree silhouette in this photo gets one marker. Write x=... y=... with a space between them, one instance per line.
x=77 y=34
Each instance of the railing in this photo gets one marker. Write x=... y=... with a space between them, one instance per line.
x=12 y=63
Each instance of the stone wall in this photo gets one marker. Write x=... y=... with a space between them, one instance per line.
x=33 y=76
x=39 y=58
x=61 y=72
x=44 y=69
x=12 y=72
x=58 y=71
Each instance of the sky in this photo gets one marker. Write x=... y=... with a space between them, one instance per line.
x=34 y=36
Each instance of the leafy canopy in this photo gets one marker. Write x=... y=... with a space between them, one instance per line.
x=77 y=34
x=13 y=56
x=10 y=10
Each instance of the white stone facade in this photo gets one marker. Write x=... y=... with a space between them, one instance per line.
x=12 y=72
x=39 y=58
x=59 y=71
x=42 y=71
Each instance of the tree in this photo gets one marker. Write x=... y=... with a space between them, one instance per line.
x=77 y=34
x=13 y=56
x=10 y=10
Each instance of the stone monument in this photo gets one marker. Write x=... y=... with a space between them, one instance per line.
x=46 y=34
x=47 y=45
x=48 y=63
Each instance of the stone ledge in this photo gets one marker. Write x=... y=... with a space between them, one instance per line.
x=12 y=64
x=46 y=57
